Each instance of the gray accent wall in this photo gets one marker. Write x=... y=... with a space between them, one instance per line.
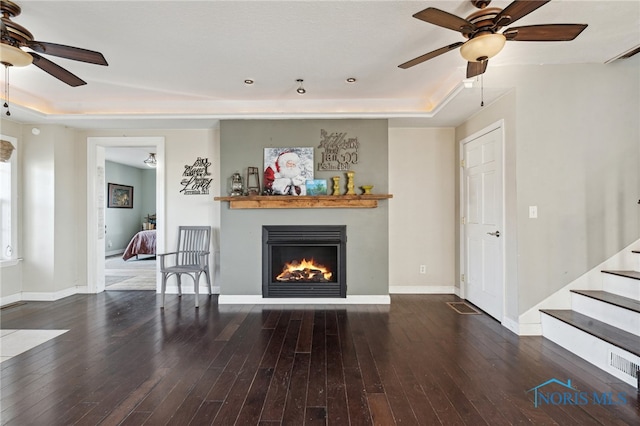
x=242 y=144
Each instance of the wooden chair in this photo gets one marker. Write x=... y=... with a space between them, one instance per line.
x=191 y=257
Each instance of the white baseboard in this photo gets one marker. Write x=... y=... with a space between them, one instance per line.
x=522 y=329
x=240 y=299
x=113 y=252
x=48 y=297
x=421 y=289
x=458 y=292
x=173 y=289
x=12 y=298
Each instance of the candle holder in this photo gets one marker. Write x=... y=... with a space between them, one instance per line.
x=336 y=185
x=350 y=185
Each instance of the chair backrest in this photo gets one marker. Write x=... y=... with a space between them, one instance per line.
x=191 y=240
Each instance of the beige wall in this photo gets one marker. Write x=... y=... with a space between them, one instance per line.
x=182 y=147
x=572 y=149
x=53 y=241
x=573 y=141
x=421 y=214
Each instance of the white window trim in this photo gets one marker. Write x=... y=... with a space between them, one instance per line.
x=15 y=200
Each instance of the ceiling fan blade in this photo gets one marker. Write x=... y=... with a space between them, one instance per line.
x=476 y=68
x=56 y=70
x=430 y=55
x=68 y=52
x=445 y=19
x=517 y=10
x=550 y=32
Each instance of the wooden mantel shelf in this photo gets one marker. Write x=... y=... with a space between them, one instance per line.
x=304 y=202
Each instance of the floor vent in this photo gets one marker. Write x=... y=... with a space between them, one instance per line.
x=463 y=308
x=623 y=364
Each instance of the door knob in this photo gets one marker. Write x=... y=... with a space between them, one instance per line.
x=495 y=234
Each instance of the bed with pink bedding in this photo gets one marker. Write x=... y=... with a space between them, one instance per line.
x=144 y=242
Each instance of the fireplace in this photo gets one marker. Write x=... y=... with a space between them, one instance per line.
x=304 y=261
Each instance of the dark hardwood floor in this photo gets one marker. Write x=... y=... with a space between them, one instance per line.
x=417 y=361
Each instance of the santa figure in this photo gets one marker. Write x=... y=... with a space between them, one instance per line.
x=285 y=176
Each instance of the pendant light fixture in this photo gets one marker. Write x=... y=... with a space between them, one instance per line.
x=300 y=89
x=151 y=161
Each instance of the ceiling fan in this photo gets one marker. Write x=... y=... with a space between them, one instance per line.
x=14 y=37
x=482 y=27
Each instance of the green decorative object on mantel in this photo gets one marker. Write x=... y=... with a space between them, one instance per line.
x=350 y=184
x=366 y=189
x=336 y=185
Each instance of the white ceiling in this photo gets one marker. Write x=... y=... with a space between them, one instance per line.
x=129 y=156
x=179 y=64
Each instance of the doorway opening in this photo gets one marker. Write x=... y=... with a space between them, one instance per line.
x=97 y=200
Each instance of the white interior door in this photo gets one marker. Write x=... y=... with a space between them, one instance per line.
x=483 y=222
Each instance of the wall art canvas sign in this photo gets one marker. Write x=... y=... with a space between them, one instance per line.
x=286 y=170
x=195 y=178
x=338 y=152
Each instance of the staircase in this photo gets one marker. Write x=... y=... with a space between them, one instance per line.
x=603 y=326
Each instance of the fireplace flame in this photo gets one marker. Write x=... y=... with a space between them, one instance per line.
x=306 y=270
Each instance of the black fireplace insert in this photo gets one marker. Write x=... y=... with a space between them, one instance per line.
x=304 y=261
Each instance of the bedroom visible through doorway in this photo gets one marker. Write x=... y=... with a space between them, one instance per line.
x=102 y=230
x=137 y=273
x=130 y=232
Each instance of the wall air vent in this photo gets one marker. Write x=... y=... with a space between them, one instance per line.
x=622 y=363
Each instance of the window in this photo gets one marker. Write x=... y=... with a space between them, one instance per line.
x=8 y=199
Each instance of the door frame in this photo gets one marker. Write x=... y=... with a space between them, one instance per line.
x=93 y=239
x=498 y=125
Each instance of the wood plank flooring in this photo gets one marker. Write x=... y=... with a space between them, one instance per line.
x=414 y=362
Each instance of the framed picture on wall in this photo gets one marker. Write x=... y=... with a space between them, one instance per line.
x=120 y=196
x=286 y=170
x=316 y=187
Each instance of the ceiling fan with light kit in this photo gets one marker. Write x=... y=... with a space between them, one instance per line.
x=14 y=38
x=483 y=29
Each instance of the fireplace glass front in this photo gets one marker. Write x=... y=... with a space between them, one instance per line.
x=304 y=261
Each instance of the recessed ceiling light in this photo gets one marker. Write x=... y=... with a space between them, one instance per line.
x=351 y=80
x=248 y=82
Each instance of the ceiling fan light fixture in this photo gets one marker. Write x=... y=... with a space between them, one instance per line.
x=151 y=161
x=482 y=47
x=14 y=56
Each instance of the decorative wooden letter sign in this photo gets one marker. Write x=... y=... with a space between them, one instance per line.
x=338 y=152
x=196 y=179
